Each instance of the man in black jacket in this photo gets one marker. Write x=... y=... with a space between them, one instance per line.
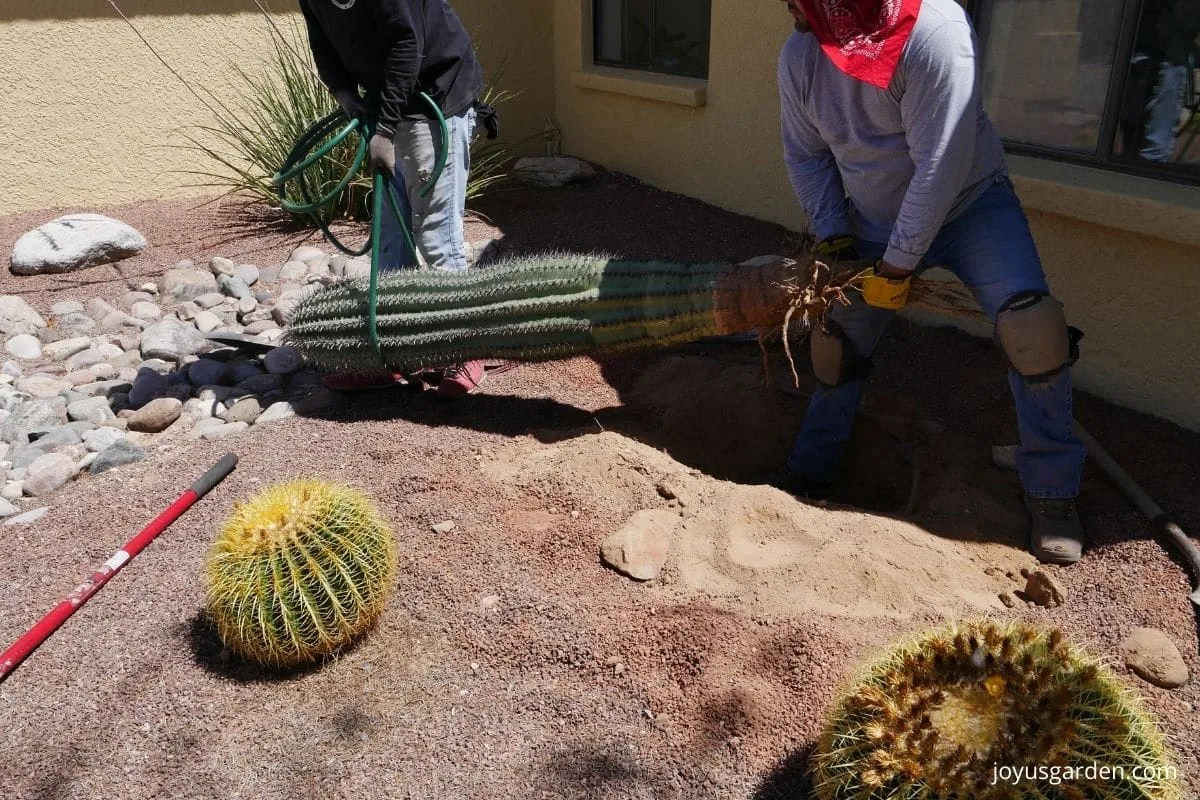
x=396 y=50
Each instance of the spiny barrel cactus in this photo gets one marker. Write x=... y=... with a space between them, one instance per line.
x=299 y=571
x=990 y=712
x=549 y=307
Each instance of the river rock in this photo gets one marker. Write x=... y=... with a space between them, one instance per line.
x=1155 y=658
x=17 y=317
x=171 y=339
x=187 y=284
x=73 y=242
x=156 y=416
x=49 y=473
x=24 y=346
x=640 y=548
x=119 y=454
x=551 y=171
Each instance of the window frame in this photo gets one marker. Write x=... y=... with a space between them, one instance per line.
x=1103 y=158
x=597 y=61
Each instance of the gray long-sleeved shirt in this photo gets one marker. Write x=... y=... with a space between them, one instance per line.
x=910 y=158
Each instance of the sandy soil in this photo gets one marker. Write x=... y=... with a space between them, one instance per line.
x=511 y=662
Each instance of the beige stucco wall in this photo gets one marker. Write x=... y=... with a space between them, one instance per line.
x=1123 y=253
x=88 y=108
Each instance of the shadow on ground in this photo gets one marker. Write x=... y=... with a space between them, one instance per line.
x=790 y=779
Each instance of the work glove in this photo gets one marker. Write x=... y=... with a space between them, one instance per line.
x=381 y=153
x=488 y=117
x=888 y=291
x=350 y=102
x=839 y=247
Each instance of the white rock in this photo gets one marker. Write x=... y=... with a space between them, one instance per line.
x=171 y=339
x=65 y=348
x=552 y=170
x=84 y=359
x=100 y=439
x=28 y=516
x=144 y=309
x=49 y=473
x=75 y=241
x=13 y=490
x=7 y=509
x=17 y=316
x=64 y=307
x=99 y=309
x=226 y=429
x=210 y=300
x=24 y=346
x=248 y=273
x=222 y=266
x=187 y=284
x=149 y=288
x=275 y=412
x=43 y=384
x=293 y=271
x=306 y=254
x=207 y=322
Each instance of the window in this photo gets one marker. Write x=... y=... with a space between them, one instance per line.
x=1102 y=82
x=667 y=36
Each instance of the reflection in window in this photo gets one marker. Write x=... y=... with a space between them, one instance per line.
x=1047 y=67
x=1159 y=121
x=667 y=36
x=1057 y=82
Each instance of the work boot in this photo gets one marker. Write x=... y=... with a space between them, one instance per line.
x=460 y=380
x=796 y=484
x=1056 y=536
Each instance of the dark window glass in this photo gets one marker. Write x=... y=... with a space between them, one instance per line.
x=1104 y=82
x=667 y=36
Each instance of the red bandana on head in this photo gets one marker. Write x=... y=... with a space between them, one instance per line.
x=863 y=38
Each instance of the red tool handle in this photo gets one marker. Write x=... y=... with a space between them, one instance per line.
x=13 y=656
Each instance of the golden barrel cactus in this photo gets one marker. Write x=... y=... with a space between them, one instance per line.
x=991 y=711
x=299 y=571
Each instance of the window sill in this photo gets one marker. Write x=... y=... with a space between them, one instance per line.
x=691 y=92
x=1115 y=200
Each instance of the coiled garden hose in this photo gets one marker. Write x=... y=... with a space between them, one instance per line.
x=306 y=153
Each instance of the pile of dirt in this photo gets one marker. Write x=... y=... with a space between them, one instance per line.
x=755 y=548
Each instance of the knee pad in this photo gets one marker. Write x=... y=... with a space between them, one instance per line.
x=1031 y=331
x=834 y=360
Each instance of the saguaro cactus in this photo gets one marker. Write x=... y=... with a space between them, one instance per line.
x=551 y=307
x=991 y=712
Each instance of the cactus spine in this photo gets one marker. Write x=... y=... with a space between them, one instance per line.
x=537 y=309
x=298 y=572
x=938 y=716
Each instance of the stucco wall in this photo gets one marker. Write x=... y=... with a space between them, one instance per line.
x=1123 y=254
x=88 y=108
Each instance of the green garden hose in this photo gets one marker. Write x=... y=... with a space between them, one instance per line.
x=302 y=157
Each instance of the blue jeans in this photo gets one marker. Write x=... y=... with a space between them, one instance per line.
x=435 y=221
x=991 y=250
x=1162 y=112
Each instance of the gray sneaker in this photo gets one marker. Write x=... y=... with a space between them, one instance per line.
x=1056 y=536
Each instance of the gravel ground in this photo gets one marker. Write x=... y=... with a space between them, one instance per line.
x=511 y=662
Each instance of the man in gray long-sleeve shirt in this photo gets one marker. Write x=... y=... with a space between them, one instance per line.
x=898 y=168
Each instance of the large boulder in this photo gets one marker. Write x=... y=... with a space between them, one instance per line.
x=551 y=171
x=73 y=242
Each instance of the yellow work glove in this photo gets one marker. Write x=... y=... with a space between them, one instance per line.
x=889 y=293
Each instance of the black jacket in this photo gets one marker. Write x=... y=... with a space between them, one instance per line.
x=395 y=49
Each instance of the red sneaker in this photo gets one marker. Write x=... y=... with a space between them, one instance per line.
x=461 y=380
x=363 y=381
